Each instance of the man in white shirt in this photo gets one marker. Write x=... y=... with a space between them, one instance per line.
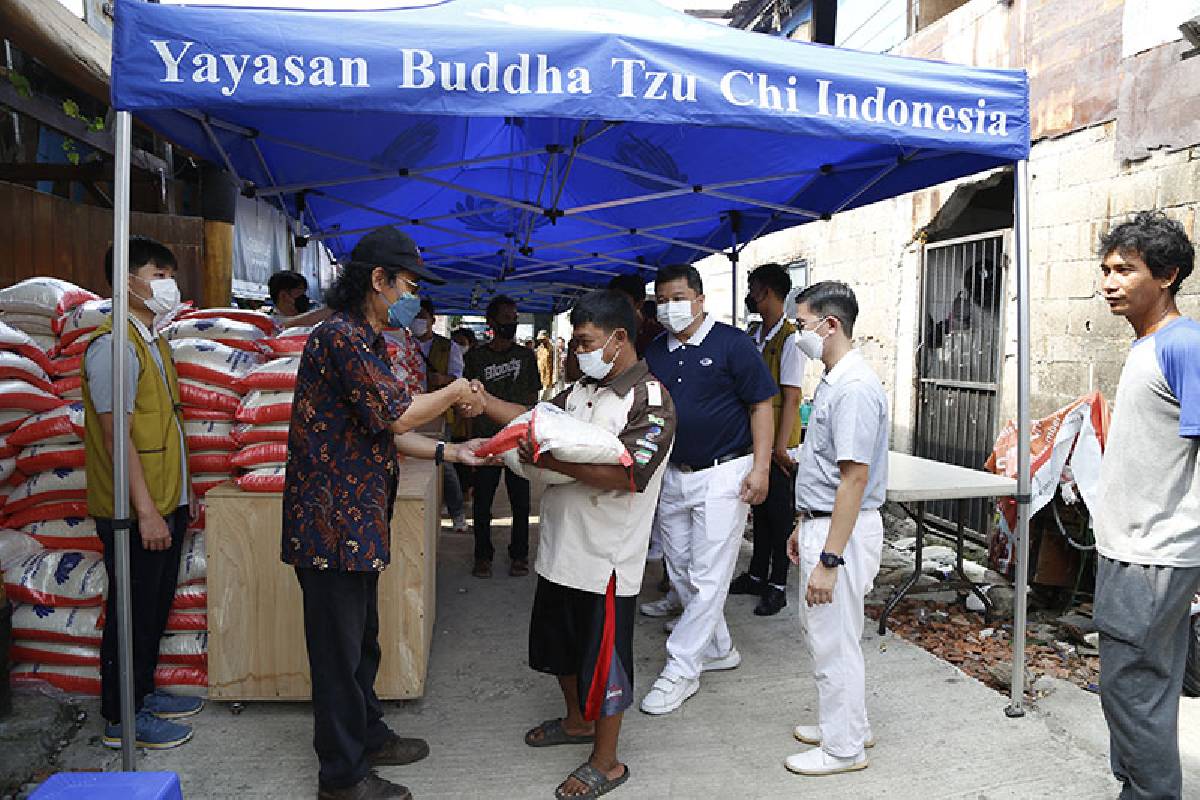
x=292 y=307
x=841 y=481
x=775 y=336
x=443 y=364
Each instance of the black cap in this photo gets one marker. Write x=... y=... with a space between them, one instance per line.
x=388 y=247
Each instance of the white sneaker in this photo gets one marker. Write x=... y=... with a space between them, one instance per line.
x=811 y=734
x=460 y=524
x=730 y=660
x=668 y=694
x=670 y=624
x=818 y=762
x=665 y=607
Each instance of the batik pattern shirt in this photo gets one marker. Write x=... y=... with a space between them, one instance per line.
x=342 y=468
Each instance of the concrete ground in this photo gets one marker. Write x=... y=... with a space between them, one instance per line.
x=941 y=734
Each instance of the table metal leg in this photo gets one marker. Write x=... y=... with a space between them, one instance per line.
x=899 y=592
x=960 y=544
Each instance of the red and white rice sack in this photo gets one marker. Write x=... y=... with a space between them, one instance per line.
x=58 y=578
x=14 y=366
x=17 y=395
x=204 y=482
x=16 y=341
x=191 y=597
x=184 y=649
x=181 y=680
x=39 y=458
x=208 y=435
x=189 y=619
x=38 y=326
x=206 y=396
x=76 y=324
x=15 y=547
x=246 y=435
x=49 y=624
x=262 y=407
x=58 y=486
x=62 y=509
x=566 y=438
x=212 y=362
x=47 y=297
x=278 y=374
x=8 y=471
x=241 y=335
x=259 y=456
x=210 y=461
x=256 y=318
x=71 y=533
x=290 y=341
x=66 y=654
x=193 y=562
x=62 y=425
x=72 y=680
x=266 y=479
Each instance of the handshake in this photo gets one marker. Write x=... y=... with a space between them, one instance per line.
x=470 y=397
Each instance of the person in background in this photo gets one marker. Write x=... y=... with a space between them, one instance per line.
x=350 y=419
x=443 y=364
x=160 y=494
x=595 y=530
x=509 y=373
x=719 y=467
x=464 y=338
x=545 y=363
x=1148 y=526
x=634 y=288
x=460 y=430
x=292 y=307
x=841 y=481
x=775 y=337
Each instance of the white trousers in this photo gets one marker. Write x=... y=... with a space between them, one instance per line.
x=833 y=631
x=655 y=553
x=702 y=518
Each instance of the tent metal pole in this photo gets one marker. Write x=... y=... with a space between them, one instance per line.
x=1024 y=431
x=120 y=344
x=735 y=220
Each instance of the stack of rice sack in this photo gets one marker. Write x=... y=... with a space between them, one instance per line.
x=74 y=330
x=213 y=350
x=266 y=412
x=38 y=307
x=57 y=617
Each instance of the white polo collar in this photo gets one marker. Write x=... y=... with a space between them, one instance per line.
x=697 y=338
x=142 y=329
x=849 y=363
x=760 y=339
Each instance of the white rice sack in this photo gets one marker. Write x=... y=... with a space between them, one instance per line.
x=17 y=394
x=15 y=365
x=49 y=297
x=213 y=362
x=58 y=578
x=258 y=319
x=193 y=562
x=62 y=425
x=49 y=624
x=265 y=479
x=529 y=472
x=66 y=654
x=71 y=533
x=84 y=681
x=83 y=319
x=225 y=330
x=206 y=395
x=15 y=341
x=184 y=648
x=262 y=407
x=182 y=680
x=209 y=434
x=44 y=341
x=15 y=547
x=563 y=436
x=32 y=324
x=48 y=487
x=47 y=457
x=8 y=466
x=277 y=374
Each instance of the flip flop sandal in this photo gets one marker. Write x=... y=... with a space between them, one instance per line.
x=596 y=782
x=553 y=733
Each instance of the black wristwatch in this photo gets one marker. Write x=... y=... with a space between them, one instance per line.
x=831 y=560
x=439 y=453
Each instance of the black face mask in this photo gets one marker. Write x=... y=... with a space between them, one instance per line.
x=751 y=304
x=506 y=332
x=303 y=304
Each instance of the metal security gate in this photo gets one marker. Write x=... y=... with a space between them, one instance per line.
x=959 y=359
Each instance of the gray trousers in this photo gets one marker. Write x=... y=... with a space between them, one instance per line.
x=452 y=492
x=1142 y=615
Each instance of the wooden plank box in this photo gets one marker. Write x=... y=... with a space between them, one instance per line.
x=256 y=645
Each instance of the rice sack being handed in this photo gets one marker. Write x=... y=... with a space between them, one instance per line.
x=556 y=432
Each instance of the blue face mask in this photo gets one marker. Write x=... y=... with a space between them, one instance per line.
x=402 y=312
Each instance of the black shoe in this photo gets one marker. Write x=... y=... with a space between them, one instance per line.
x=746 y=584
x=772 y=602
x=398 y=751
x=371 y=787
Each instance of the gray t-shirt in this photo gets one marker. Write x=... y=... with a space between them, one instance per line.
x=1150 y=477
x=98 y=362
x=849 y=423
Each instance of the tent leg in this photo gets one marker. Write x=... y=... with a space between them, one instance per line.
x=1024 y=428
x=120 y=340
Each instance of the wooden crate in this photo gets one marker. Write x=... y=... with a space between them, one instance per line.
x=255 y=619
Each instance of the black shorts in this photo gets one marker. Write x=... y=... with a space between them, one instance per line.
x=573 y=632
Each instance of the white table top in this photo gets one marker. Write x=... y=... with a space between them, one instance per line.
x=913 y=479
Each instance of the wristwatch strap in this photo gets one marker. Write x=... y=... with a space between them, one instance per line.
x=439 y=453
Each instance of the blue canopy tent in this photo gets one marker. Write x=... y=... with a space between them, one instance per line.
x=537 y=149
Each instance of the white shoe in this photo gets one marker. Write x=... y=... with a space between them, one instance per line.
x=670 y=624
x=811 y=734
x=668 y=694
x=665 y=607
x=818 y=762
x=460 y=524
x=730 y=660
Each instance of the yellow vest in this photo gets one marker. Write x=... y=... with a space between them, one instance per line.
x=439 y=361
x=155 y=429
x=772 y=353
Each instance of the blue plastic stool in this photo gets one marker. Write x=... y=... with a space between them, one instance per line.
x=110 y=786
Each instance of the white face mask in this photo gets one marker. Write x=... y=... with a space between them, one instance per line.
x=675 y=315
x=811 y=343
x=592 y=363
x=419 y=327
x=164 y=300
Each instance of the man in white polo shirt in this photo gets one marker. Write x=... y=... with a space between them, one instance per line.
x=595 y=531
x=1148 y=528
x=841 y=481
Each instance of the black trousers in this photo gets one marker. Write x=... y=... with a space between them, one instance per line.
x=152 y=578
x=341 y=629
x=486 y=481
x=773 y=521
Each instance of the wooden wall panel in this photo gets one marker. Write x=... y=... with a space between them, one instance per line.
x=41 y=234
